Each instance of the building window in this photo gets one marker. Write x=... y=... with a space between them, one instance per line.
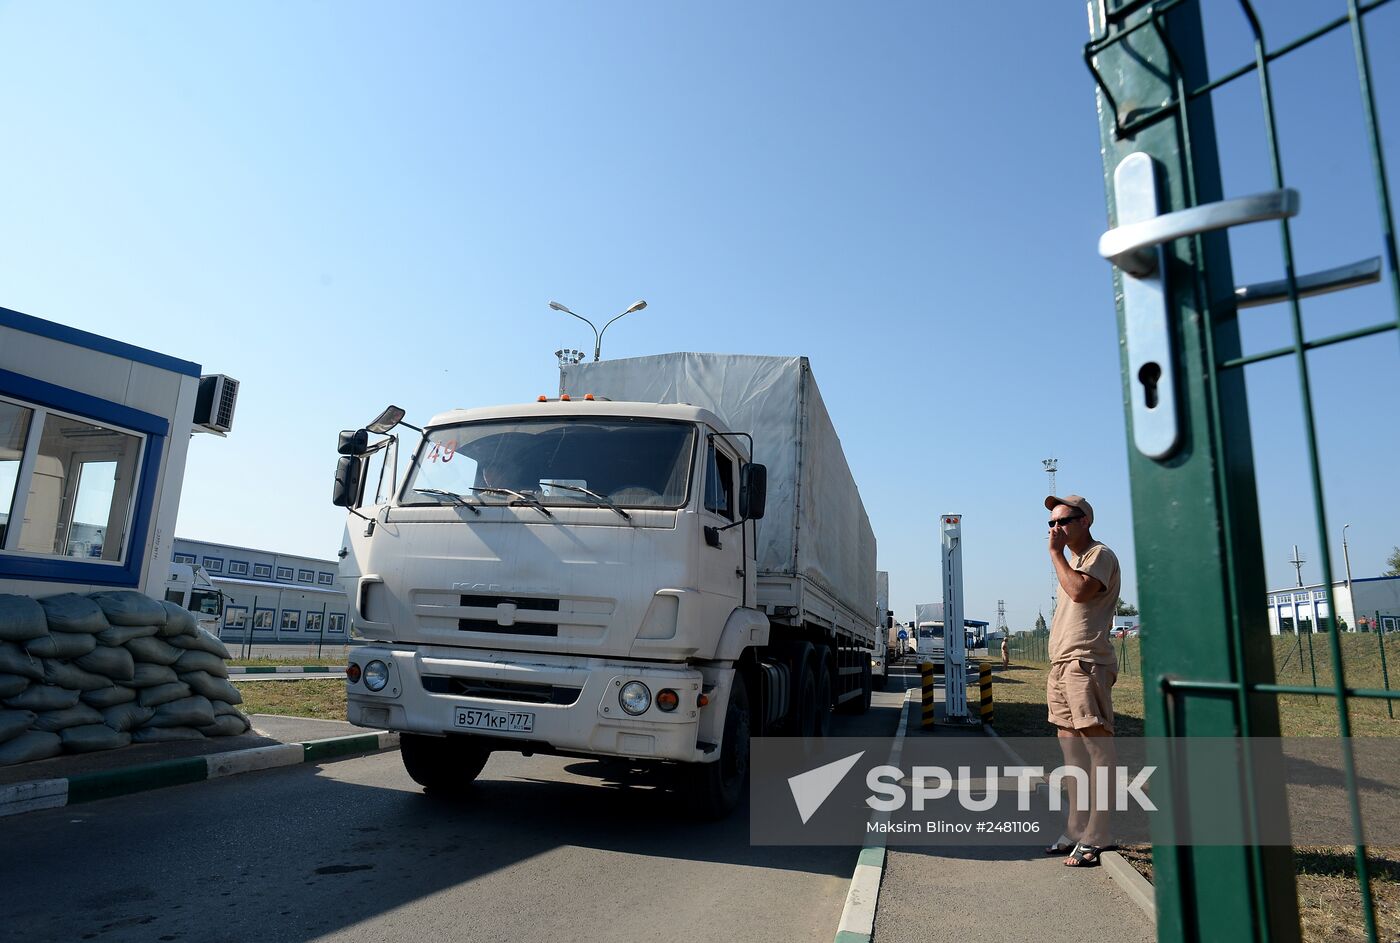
x=284 y=573
x=235 y=617
x=291 y=621
x=237 y=568
x=313 y=622
x=305 y=576
x=262 y=620
x=262 y=571
x=187 y=558
x=213 y=564
x=325 y=579
x=335 y=623
x=67 y=486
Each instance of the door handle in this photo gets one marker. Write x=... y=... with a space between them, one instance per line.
x=1318 y=283
x=1137 y=246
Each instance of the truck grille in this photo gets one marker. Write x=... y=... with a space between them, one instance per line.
x=514 y=691
x=476 y=601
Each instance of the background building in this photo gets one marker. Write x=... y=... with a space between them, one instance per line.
x=1303 y=608
x=259 y=596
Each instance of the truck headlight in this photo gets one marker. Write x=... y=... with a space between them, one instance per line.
x=634 y=697
x=376 y=675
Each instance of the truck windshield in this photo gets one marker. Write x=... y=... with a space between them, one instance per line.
x=634 y=463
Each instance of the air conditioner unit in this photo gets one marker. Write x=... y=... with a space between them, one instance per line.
x=213 y=407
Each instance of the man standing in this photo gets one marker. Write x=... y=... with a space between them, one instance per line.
x=1083 y=668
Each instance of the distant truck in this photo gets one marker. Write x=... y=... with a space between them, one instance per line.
x=928 y=620
x=587 y=575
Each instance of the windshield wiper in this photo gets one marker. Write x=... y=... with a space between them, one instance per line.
x=520 y=498
x=456 y=498
x=592 y=494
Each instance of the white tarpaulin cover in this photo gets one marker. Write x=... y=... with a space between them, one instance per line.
x=928 y=612
x=815 y=526
x=882 y=595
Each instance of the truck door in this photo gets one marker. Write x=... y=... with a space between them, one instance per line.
x=721 y=556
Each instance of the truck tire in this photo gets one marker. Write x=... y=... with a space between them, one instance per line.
x=716 y=788
x=822 y=726
x=802 y=715
x=442 y=765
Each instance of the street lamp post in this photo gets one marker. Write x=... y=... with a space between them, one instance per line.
x=597 y=334
x=1347 y=557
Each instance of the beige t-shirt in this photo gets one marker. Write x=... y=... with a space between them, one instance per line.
x=1080 y=629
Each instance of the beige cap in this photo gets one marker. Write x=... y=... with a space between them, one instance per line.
x=1074 y=501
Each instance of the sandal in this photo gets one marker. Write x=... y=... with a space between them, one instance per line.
x=1062 y=846
x=1084 y=856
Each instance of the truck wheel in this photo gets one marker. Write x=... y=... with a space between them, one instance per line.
x=803 y=722
x=442 y=765
x=822 y=727
x=716 y=788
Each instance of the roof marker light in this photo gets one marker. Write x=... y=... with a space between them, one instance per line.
x=588 y=396
x=542 y=399
x=564 y=397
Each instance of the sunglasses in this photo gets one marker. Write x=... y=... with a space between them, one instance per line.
x=1065 y=521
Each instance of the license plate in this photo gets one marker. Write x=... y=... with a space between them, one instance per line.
x=505 y=721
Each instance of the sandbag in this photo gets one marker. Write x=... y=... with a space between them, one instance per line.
x=126 y=607
x=109 y=697
x=16 y=661
x=223 y=708
x=14 y=723
x=216 y=689
x=63 y=645
x=21 y=618
x=195 y=660
x=178 y=620
x=92 y=737
x=70 y=612
x=75 y=716
x=164 y=734
x=163 y=694
x=121 y=634
x=66 y=675
x=154 y=651
x=115 y=663
x=34 y=745
x=10 y=685
x=43 y=697
x=193 y=711
x=203 y=641
x=127 y=716
x=226 y=725
x=148 y=676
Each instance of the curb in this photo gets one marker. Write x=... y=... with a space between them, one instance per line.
x=1137 y=887
x=857 y=923
x=88 y=787
x=284 y=670
x=1126 y=877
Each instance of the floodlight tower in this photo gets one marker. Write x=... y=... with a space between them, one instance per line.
x=1052 y=465
x=567 y=356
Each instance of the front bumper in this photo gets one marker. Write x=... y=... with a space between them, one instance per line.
x=428 y=685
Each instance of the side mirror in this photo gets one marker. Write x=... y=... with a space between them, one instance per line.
x=386 y=420
x=346 y=491
x=354 y=442
x=753 y=491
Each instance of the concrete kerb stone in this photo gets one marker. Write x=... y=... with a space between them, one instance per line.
x=88 y=787
x=1124 y=876
x=857 y=924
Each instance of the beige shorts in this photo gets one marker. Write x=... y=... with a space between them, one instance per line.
x=1079 y=695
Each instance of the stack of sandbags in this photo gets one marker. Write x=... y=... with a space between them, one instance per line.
x=84 y=673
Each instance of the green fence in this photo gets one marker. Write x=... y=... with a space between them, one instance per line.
x=1210 y=668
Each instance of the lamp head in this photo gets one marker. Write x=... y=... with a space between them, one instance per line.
x=558 y=307
x=636 y=307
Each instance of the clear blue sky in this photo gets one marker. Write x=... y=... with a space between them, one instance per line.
x=348 y=204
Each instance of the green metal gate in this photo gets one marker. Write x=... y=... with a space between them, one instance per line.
x=1208 y=667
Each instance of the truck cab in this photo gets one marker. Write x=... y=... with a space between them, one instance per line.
x=567 y=576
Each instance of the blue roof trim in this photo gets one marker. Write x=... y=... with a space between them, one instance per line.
x=106 y=345
x=81 y=404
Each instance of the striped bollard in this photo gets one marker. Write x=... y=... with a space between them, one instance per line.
x=984 y=679
x=926 y=675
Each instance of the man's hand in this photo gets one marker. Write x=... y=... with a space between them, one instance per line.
x=1058 y=540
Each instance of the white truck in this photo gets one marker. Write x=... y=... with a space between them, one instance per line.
x=588 y=575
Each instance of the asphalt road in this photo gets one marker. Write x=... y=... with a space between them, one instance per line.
x=546 y=848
